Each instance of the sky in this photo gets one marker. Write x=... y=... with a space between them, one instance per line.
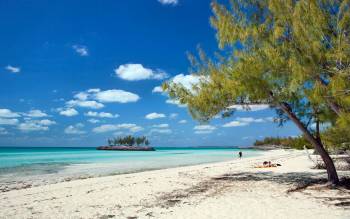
x=75 y=73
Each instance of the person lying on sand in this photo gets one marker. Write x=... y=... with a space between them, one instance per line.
x=267 y=164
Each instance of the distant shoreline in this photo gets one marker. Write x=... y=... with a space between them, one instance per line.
x=125 y=148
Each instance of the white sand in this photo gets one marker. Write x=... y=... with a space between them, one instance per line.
x=221 y=190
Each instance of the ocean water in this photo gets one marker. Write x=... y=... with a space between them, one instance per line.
x=58 y=163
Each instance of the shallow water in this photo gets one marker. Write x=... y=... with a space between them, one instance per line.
x=57 y=164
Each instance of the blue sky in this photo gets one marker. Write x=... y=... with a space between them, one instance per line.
x=73 y=73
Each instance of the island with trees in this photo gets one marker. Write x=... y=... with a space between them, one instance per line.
x=128 y=143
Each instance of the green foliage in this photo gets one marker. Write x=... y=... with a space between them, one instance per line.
x=128 y=141
x=337 y=138
x=287 y=142
x=276 y=52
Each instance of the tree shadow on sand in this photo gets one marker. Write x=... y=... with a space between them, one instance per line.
x=298 y=181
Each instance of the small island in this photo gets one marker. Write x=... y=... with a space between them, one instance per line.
x=127 y=143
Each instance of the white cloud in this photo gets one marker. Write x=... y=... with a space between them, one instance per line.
x=105 y=128
x=81 y=50
x=13 y=69
x=183 y=121
x=4 y=121
x=94 y=98
x=164 y=125
x=69 y=112
x=119 y=96
x=244 y=121
x=175 y=102
x=94 y=121
x=85 y=103
x=136 y=72
x=6 y=113
x=173 y=115
x=36 y=114
x=75 y=129
x=250 y=119
x=188 y=81
x=161 y=131
x=251 y=107
x=204 y=127
x=46 y=122
x=235 y=124
x=157 y=89
x=94 y=90
x=202 y=132
x=81 y=96
x=168 y=2
x=111 y=127
x=35 y=125
x=155 y=116
x=101 y=114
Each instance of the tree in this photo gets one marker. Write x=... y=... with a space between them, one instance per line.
x=147 y=142
x=140 y=140
x=291 y=55
x=110 y=142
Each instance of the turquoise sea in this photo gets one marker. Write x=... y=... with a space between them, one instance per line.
x=57 y=163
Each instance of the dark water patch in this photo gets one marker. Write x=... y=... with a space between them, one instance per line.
x=34 y=169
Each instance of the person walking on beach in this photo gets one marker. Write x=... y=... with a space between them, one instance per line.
x=240 y=154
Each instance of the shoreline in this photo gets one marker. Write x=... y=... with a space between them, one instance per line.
x=217 y=190
x=40 y=174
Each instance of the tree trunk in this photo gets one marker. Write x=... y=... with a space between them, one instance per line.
x=331 y=171
x=335 y=107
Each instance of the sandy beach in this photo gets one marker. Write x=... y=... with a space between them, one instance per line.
x=232 y=189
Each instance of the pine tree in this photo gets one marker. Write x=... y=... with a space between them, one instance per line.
x=292 y=55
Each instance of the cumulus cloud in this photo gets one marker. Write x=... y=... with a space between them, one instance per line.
x=6 y=113
x=155 y=116
x=46 y=122
x=235 y=124
x=114 y=127
x=82 y=95
x=36 y=125
x=160 y=131
x=183 y=121
x=244 y=121
x=13 y=69
x=118 y=96
x=202 y=132
x=75 y=129
x=36 y=114
x=168 y=2
x=251 y=107
x=85 y=103
x=101 y=114
x=6 y=121
x=188 y=81
x=204 y=127
x=164 y=125
x=175 y=102
x=94 y=98
x=69 y=112
x=81 y=50
x=136 y=72
x=93 y=121
x=173 y=115
x=157 y=89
